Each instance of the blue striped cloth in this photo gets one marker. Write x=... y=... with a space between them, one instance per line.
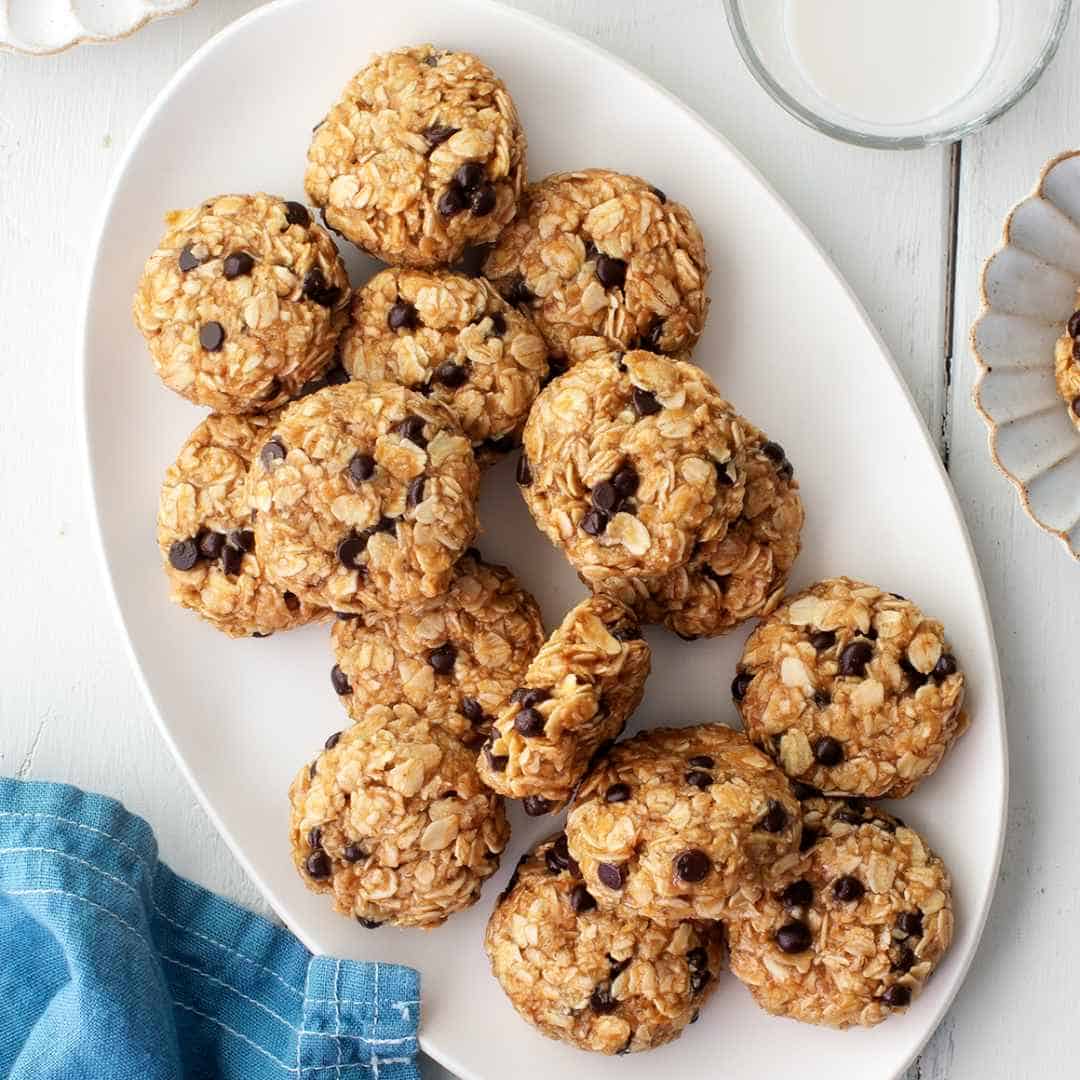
x=113 y=967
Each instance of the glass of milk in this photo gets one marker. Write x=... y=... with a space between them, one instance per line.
x=897 y=73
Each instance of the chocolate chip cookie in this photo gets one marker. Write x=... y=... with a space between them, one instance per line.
x=672 y=823
x=1067 y=366
x=452 y=338
x=739 y=575
x=365 y=497
x=422 y=156
x=242 y=302
x=573 y=700
x=205 y=533
x=597 y=252
x=600 y=980
x=852 y=690
x=392 y=820
x=455 y=660
x=848 y=930
x=630 y=460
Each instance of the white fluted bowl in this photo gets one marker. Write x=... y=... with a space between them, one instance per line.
x=50 y=26
x=1029 y=288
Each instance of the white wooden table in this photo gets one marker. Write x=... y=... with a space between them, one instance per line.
x=69 y=705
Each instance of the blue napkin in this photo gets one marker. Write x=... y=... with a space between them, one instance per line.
x=113 y=967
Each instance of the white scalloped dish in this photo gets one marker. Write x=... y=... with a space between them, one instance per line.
x=1029 y=288
x=40 y=27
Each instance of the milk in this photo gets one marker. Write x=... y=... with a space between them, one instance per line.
x=892 y=61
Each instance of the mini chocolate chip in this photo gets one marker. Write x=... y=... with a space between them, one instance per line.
x=498 y=324
x=945 y=666
x=740 y=684
x=384 y=524
x=442 y=659
x=692 y=866
x=524 y=471
x=821 y=699
x=368 y=924
x=1073 y=324
x=581 y=900
x=611 y=874
x=529 y=723
x=697 y=778
x=452 y=201
x=786 y=471
x=517 y=292
x=296 y=214
x=244 y=539
x=496 y=762
x=291 y=600
x=809 y=838
x=470 y=175
x=183 y=554
x=414 y=493
x=915 y=677
x=361 y=467
x=611 y=272
x=794 y=937
x=483 y=200
x=644 y=402
x=332 y=740
x=594 y=522
x=828 y=751
x=211 y=336
x=905 y=959
x=558 y=855
x=187 y=259
x=402 y=316
x=318 y=864
x=349 y=551
x=340 y=681
x=232 y=560
x=897 y=997
x=601 y=1000
x=804 y=791
x=626 y=481
x=617 y=793
x=210 y=544
x=605 y=497
x=854 y=657
x=775 y=818
x=346 y=616
x=473 y=711
x=798 y=894
x=658 y=193
x=626 y=633
x=353 y=853
x=238 y=264
x=848 y=889
x=314 y=837
x=823 y=639
x=701 y=761
x=910 y=923
x=451 y=375
x=651 y=338
x=849 y=817
x=699 y=980
x=437 y=134
x=527 y=697
x=317 y=289
x=536 y=805
x=412 y=428
x=774 y=452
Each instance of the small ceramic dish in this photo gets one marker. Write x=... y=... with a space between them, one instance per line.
x=1029 y=290
x=40 y=27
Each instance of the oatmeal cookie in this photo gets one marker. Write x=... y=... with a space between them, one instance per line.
x=422 y=156
x=739 y=575
x=392 y=819
x=455 y=660
x=674 y=821
x=365 y=497
x=630 y=460
x=242 y=303
x=1067 y=366
x=575 y=698
x=852 y=690
x=454 y=338
x=600 y=980
x=596 y=252
x=205 y=534
x=849 y=930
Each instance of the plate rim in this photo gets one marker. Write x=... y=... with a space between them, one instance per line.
x=984 y=368
x=994 y=690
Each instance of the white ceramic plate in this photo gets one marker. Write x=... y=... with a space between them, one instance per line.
x=786 y=341
x=50 y=26
x=1028 y=291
